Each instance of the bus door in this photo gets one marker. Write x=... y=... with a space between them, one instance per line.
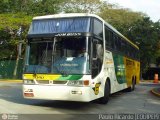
x=97 y=57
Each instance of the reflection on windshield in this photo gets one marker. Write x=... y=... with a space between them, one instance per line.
x=59 y=56
x=62 y=25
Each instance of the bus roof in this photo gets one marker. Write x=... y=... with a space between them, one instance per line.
x=68 y=15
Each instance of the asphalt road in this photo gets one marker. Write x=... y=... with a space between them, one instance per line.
x=139 y=101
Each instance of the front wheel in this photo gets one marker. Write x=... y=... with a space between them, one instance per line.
x=105 y=98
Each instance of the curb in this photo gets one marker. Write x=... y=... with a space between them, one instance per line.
x=146 y=80
x=154 y=92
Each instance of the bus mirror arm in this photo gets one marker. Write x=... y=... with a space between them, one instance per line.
x=99 y=51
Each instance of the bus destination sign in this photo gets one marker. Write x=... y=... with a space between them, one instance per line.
x=68 y=34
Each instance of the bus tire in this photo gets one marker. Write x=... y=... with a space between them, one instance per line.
x=132 y=87
x=105 y=98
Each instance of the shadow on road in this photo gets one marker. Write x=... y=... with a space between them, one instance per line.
x=13 y=93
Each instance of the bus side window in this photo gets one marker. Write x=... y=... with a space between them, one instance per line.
x=107 y=37
x=112 y=40
x=118 y=44
x=98 y=28
x=115 y=42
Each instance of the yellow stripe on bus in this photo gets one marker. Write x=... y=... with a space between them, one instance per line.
x=41 y=77
x=28 y=76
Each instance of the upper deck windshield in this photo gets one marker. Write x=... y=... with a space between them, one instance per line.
x=58 y=56
x=60 y=25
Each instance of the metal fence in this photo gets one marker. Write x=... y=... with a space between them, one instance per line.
x=7 y=68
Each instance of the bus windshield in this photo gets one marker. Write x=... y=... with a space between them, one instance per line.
x=58 y=56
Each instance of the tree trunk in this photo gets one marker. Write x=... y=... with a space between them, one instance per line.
x=17 y=61
x=16 y=66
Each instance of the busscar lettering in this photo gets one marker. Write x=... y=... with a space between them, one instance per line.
x=68 y=34
x=61 y=34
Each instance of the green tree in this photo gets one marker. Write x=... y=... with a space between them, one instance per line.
x=144 y=33
x=43 y=7
x=157 y=54
x=9 y=39
x=122 y=19
x=81 y=6
x=31 y=7
x=9 y=25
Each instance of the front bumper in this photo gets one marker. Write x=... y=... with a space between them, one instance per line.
x=56 y=92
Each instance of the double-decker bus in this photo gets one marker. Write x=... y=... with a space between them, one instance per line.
x=78 y=57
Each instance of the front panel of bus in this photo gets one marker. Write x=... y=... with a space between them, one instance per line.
x=61 y=60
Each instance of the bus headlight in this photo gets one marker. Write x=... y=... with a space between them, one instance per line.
x=78 y=83
x=28 y=82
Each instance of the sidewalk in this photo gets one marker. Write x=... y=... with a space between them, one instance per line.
x=156 y=91
x=148 y=81
x=11 y=81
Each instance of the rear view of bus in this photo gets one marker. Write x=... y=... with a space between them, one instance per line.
x=66 y=59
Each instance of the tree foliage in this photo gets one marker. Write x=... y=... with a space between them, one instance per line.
x=18 y=13
x=81 y=6
x=145 y=33
x=31 y=7
x=9 y=26
x=122 y=19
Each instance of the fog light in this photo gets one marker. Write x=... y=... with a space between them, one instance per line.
x=86 y=82
x=28 y=82
x=28 y=94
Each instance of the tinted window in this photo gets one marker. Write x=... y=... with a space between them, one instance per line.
x=112 y=39
x=107 y=37
x=60 y=25
x=98 y=28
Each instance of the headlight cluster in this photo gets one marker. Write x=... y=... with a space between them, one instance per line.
x=28 y=82
x=78 y=83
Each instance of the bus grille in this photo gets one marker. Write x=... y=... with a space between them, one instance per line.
x=43 y=81
x=50 y=82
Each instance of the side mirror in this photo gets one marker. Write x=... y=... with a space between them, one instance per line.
x=99 y=51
